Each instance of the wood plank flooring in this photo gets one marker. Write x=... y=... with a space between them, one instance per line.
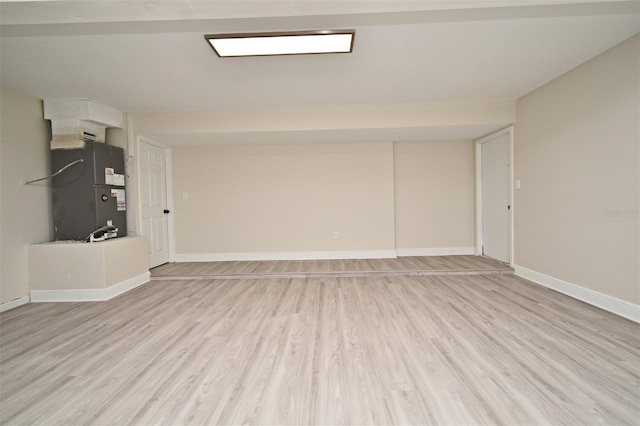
x=460 y=349
x=402 y=266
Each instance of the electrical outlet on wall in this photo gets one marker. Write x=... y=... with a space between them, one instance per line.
x=336 y=235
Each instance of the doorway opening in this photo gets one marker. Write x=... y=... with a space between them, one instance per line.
x=494 y=195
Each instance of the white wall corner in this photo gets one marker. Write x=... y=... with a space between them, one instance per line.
x=90 y=295
x=611 y=304
x=11 y=304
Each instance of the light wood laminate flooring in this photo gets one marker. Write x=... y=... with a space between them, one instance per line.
x=402 y=266
x=450 y=350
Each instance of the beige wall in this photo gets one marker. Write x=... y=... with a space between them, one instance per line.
x=78 y=266
x=120 y=137
x=577 y=155
x=25 y=212
x=270 y=230
x=434 y=193
x=284 y=198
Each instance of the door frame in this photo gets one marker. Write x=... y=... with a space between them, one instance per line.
x=479 y=218
x=168 y=175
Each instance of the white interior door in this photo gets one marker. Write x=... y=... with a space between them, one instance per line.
x=153 y=202
x=496 y=197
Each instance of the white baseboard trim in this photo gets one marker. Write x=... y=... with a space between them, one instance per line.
x=14 y=303
x=439 y=251
x=302 y=255
x=608 y=303
x=90 y=295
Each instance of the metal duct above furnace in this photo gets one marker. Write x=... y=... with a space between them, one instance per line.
x=74 y=121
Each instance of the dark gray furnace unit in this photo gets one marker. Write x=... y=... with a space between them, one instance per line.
x=89 y=194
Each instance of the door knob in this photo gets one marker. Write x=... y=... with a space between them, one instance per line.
x=166 y=211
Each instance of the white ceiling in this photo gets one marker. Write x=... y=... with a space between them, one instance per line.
x=151 y=55
x=94 y=11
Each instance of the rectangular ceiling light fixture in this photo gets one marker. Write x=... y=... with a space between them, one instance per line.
x=282 y=43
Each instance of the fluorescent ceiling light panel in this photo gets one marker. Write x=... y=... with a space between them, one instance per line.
x=289 y=43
